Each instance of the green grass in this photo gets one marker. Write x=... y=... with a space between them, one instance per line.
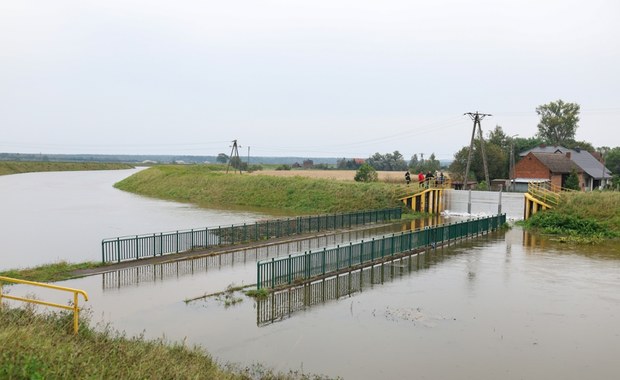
x=581 y=217
x=49 y=272
x=42 y=346
x=16 y=167
x=206 y=187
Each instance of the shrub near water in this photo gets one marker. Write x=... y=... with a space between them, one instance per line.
x=592 y=215
x=204 y=186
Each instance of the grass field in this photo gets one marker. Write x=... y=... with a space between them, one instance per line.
x=16 y=167
x=276 y=192
x=340 y=175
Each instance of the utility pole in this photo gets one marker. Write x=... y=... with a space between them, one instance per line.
x=476 y=117
x=248 y=157
x=234 y=153
x=511 y=170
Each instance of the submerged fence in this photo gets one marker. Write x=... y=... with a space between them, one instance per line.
x=305 y=266
x=157 y=244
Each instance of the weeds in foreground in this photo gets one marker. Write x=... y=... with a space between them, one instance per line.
x=41 y=346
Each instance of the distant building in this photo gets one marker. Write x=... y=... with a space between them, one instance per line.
x=359 y=161
x=308 y=164
x=555 y=163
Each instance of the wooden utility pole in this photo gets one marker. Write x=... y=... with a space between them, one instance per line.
x=234 y=154
x=476 y=117
x=511 y=169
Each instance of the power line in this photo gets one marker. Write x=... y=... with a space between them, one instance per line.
x=476 y=117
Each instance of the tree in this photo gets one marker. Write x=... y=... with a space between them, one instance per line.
x=572 y=181
x=612 y=160
x=366 y=173
x=389 y=161
x=429 y=165
x=558 y=122
x=497 y=159
x=499 y=138
x=347 y=164
x=414 y=162
x=222 y=158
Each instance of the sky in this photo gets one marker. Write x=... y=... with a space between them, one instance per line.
x=335 y=78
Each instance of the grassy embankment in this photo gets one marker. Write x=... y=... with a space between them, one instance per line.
x=16 y=167
x=42 y=346
x=581 y=217
x=208 y=186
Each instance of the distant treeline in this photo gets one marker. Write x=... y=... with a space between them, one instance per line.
x=153 y=158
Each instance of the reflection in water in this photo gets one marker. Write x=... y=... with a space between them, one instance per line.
x=282 y=304
x=190 y=266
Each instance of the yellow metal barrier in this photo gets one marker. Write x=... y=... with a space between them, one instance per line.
x=75 y=292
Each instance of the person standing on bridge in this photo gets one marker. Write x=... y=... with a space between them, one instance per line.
x=421 y=179
x=429 y=178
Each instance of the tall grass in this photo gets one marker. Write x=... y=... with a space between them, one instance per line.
x=58 y=271
x=42 y=346
x=204 y=186
x=16 y=167
x=587 y=216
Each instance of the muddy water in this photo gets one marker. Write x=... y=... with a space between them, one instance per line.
x=48 y=217
x=506 y=305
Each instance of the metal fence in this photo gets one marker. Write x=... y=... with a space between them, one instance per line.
x=162 y=243
x=305 y=266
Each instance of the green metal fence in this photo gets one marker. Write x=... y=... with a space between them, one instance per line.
x=162 y=243
x=305 y=266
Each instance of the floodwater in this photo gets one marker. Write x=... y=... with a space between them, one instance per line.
x=507 y=305
x=48 y=217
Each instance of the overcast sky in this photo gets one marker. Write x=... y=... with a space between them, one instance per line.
x=312 y=78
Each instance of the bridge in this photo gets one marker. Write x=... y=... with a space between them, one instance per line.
x=541 y=196
x=428 y=196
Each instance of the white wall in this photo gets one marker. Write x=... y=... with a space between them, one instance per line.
x=484 y=203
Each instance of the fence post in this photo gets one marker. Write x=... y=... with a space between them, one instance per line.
x=350 y=254
x=362 y=251
x=372 y=250
x=273 y=273
x=177 y=236
x=290 y=270
x=136 y=247
x=337 y=257
x=258 y=275
x=118 y=249
x=323 y=264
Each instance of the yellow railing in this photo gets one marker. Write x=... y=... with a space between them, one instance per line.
x=544 y=192
x=75 y=292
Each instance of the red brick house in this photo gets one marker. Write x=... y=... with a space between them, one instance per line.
x=589 y=166
x=552 y=167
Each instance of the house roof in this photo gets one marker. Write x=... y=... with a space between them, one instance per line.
x=585 y=161
x=557 y=162
x=589 y=164
x=545 y=149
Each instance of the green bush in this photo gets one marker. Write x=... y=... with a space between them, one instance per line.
x=366 y=173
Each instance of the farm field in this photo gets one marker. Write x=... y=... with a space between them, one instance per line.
x=341 y=175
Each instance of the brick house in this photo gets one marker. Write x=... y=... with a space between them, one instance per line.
x=555 y=163
x=552 y=167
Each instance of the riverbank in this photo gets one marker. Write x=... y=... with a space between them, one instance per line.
x=206 y=186
x=581 y=217
x=42 y=346
x=17 y=167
